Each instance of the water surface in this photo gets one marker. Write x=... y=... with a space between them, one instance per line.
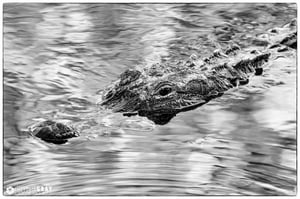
x=58 y=57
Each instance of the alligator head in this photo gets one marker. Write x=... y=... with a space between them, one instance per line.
x=160 y=91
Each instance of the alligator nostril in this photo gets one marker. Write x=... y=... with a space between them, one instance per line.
x=165 y=91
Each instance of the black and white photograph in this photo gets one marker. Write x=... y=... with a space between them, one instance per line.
x=149 y=98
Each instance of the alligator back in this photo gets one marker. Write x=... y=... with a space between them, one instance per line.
x=160 y=91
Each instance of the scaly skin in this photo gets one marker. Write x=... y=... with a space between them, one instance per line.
x=160 y=91
x=53 y=132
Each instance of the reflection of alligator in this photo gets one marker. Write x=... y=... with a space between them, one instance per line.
x=160 y=91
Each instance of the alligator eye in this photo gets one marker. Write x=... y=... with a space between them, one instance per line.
x=165 y=91
x=274 y=31
x=109 y=94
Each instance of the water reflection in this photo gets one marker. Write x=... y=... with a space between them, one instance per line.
x=58 y=56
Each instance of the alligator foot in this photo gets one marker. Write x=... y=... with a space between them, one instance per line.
x=53 y=132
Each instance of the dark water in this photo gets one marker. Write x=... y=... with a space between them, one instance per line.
x=58 y=57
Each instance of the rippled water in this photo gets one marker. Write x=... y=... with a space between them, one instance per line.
x=58 y=57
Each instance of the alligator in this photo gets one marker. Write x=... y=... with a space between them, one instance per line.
x=162 y=90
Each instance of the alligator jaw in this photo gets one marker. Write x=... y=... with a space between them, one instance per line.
x=130 y=113
x=167 y=111
x=191 y=107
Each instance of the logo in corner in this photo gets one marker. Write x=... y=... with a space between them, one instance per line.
x=10 y=190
